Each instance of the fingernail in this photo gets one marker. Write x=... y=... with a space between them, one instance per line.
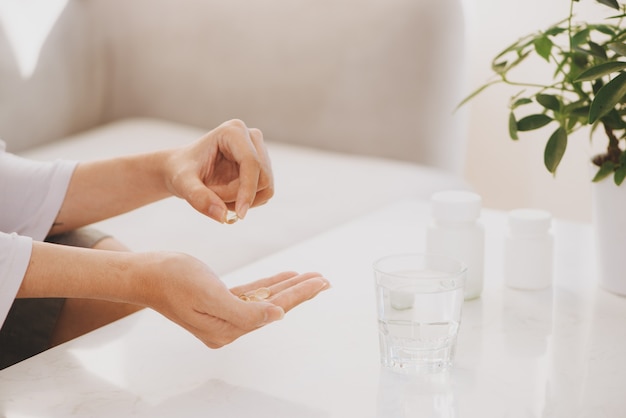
x=217 y=212
x=243 y=210
x=325 y=285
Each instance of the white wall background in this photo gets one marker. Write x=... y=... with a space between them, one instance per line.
x=511 y=174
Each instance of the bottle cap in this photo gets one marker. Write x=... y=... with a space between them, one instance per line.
x=456 y=206
x=529 y=221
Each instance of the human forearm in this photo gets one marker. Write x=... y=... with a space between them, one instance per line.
x=70 y=272
x=102 y=189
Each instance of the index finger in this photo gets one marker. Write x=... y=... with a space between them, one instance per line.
x=238 y=140
x=299 y=292
x=264 y=282
x=287 y=289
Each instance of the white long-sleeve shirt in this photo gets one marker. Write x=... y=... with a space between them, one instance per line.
x=31 y=194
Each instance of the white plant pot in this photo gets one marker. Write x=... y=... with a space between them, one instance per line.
x=609 y=224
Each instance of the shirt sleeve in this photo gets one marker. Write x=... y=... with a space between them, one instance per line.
x=15 y=251
x=31 y=194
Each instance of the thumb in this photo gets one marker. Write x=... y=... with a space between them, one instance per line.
x=273 y=313
x=253 y=315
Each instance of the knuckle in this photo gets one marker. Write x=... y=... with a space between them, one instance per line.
x=256 y=134
x=253 y=158
x=269 y=192
x=235 y=126
x=266 y=180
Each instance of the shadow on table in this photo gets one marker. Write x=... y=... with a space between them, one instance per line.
x=216 y=398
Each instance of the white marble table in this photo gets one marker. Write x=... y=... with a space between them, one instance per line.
x=554 y=353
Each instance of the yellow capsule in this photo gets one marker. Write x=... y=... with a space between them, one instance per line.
x=231 y=217
x=262 y=293
x=258 y=295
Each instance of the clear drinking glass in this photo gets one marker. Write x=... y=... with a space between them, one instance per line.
x=419 y=299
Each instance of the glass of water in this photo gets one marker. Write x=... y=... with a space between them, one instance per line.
x=419 y=299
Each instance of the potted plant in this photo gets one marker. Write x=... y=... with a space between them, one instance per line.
x=586 y=89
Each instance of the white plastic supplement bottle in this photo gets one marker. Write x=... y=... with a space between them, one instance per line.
x=528 y=249
x=455 y=231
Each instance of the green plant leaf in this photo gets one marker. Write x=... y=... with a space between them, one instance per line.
x=555 y=148
x=571 y=123
x=543 y=46
x=515 y=46
x=601 y=70
x=579 y=57
x=513 y=127
x=532 y=122
x=593 y=130
x=618 y=47
x=499 y=67
x=549 y=101
x=577 y=108
x=555 y=30
x=559 y=67
x=580 y=37
x=476 y=92
x=607 y=97
x=596 y=50
x=620 y=174
x=606 y=29
x=597 y=85
x=607 y=168
x=611 y=3
x=613 y=120
x=520 y=102
x=581 y=112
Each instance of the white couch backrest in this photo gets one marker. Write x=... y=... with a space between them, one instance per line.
x=374 y=77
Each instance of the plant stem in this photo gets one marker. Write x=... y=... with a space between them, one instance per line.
x=557 y=86
x=613 y=150
x=518 y=84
